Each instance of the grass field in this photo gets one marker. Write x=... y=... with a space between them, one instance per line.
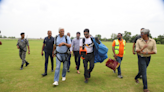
x=102 y=79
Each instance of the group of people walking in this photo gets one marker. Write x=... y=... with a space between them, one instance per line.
x=62 y=47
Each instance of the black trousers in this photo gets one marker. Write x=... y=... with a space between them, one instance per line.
x=47 y=55
x=77 y=59
x=88 y=58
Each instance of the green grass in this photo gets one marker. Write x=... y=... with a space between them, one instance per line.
x=102 y=79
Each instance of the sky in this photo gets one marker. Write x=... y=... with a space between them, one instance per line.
x=36 y=17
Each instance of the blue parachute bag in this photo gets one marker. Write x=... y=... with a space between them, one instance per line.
x=100 y=51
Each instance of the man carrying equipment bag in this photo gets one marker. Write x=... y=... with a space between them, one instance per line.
x=87 y=55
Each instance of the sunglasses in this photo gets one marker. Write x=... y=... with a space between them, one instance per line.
x=142 y=33
x=85 y=34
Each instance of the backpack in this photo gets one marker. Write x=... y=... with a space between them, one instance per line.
x=100 y=50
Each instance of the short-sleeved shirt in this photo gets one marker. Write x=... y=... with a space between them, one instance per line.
x=49 y=42
x=121 y=47
x=59 y=40
x=137 y=37
x=87 y=41
x=151 y=46
x=22 y=43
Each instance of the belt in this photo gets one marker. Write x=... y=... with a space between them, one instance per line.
x=90 y=53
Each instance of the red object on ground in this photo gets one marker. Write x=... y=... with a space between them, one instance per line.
x=0 y=43
x=113 y=64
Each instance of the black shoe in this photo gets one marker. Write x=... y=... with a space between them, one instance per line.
x=68 y=70
x=44 y=74
x=21 y=67
x=27 y=64
x=86 y=80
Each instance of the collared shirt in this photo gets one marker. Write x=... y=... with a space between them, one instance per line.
x=59 y=40
x=75 y=44
x=87 y=41
x=151 y=46
x=49 y=42
x=22 y=43
x=121 y=47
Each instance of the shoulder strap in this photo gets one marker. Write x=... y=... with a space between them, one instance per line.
x=92 y=39
x=66 y=38
x=56 y=39
x=83 y=43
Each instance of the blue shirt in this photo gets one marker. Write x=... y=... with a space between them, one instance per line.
x=59 y=40
x=48 y=44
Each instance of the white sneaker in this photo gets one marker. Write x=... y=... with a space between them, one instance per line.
x=63 y=78
x=55 y=83
x=120 y=76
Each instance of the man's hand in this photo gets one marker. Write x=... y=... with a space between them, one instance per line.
x=143 y=53
x=61 y=44
x=73 y=54
x=145 y=46
x=134 y=53
x=42 y=53
x=53 y=55
x=70 y=52
x=28 y=52
x=18 y=47
x=115 y=56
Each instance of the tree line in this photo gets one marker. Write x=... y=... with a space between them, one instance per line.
x=11 y=37
x=126 y=35
x=129 y=38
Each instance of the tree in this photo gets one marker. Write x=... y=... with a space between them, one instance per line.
x=127 y=36
x=0 y=36
x=150 y=35
x=160 y=39
x=113 y=36
x=133 y=38
x=12 y=37
x=4 y=36
x=72 y=37
x=99 y=36
x=104 y=39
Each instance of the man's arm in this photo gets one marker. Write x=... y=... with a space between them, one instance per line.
x=54 y=48
x=68 y=45
x=42 y=48
x=154 y=51
x=113 y=49
x=28 y=47
x=18 y=44
x=71 y=49
x=138 y=50
x=133 y=48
